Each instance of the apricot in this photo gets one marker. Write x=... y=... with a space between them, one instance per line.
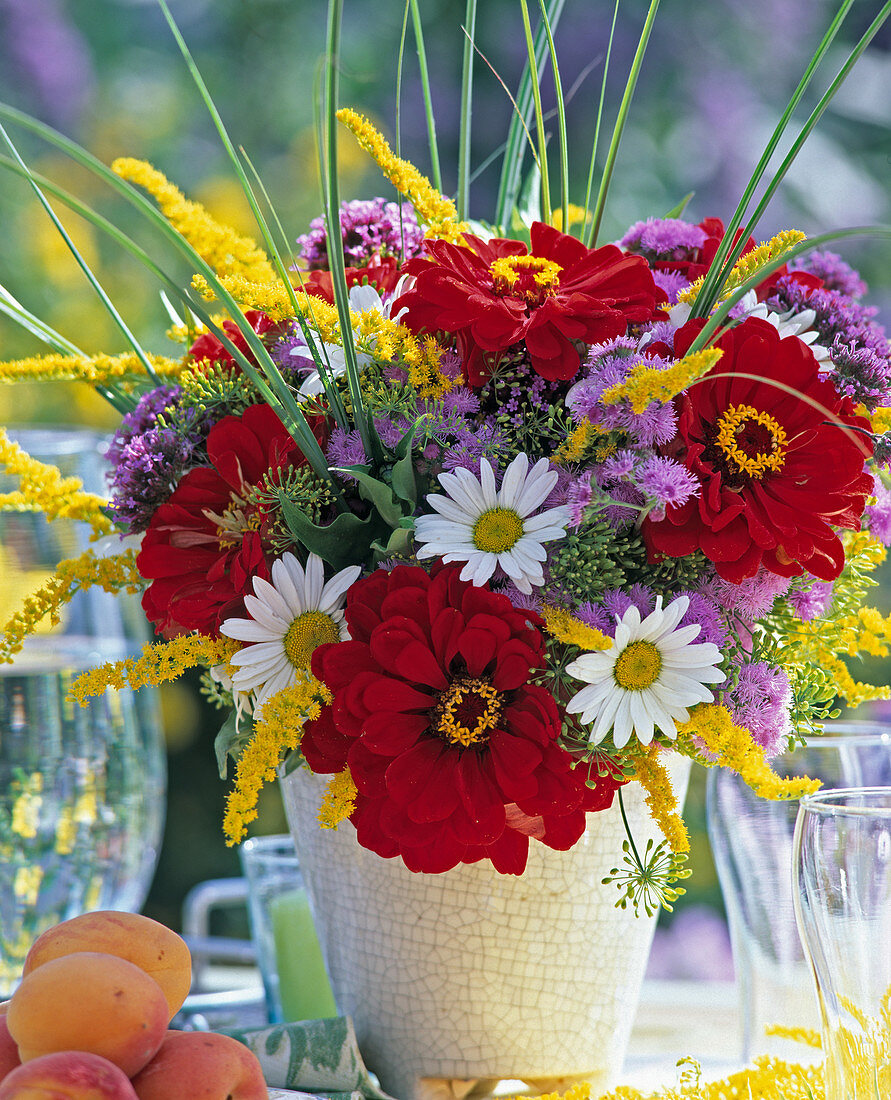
x=201 y=1065
x=151 y=946
x=92 y=1002
x=9 y=1052
x=67 y=1075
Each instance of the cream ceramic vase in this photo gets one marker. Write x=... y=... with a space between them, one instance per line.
x=472 y=975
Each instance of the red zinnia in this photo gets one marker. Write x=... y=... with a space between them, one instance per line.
x=209 y=349
x=493 y=294
x=453 y=751
x=780 y=460
x=205 y=542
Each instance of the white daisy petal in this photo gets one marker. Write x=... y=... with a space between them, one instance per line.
x=513 y=482
x=648 y=677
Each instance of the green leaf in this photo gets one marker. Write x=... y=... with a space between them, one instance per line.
x=405 y=485
x=378 y=494
x=231 y=740
x=399 y=542
x=676 y=211
x=345 y=541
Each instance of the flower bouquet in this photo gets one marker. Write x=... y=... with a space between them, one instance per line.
x=488 y=523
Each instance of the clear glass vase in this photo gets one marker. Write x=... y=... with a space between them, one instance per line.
x=82 y=790
x=752 y=845
x=843 y=908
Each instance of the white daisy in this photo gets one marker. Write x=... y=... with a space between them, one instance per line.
x=363 y=299
x=288 y=620
x=789 y=323
x=648 y=677
x=488 y=528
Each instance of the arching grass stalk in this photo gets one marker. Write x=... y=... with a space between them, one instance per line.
x=561 y=120
x=110 y=307
x=593 y=163
x=428 y=101
x=241 y=175
x=270 y=383
x=510 y=183
x=463 y=197
x=624 y=107
x=362 y=419
x=736 y=251
x=539 y=117
x=716 y=320
x=715 y=275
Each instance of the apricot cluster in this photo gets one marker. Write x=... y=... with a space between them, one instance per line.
x=90 y=1021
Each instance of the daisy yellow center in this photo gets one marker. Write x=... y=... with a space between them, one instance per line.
x=306 y=633
x=638 y=666
x=497 y=531
x=466 y=711
x=529 y=277
x=753 y=441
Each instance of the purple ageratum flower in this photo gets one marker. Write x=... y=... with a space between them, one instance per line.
x=578 y=496
x=878 y=515
x=593 y=614
x=666 y=481
x=710 y=617
x=370 y=228
x=760 y=702
x=486 y=440
x=145 y=474
x=809 y=602
x=751 y=598
x=662 y=332
x=623 y=493
x=672 y=282
x=655 y=426
x=663 y=238
x=345 y=449
x=832 y=269
x=618 y=467
x=521 y=600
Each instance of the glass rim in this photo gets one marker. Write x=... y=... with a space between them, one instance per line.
x=58 y=439
x=831 y=803
x=269 y=842
x=858 y=733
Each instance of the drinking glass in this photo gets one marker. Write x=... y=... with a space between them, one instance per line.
x=283 y=932
x=82 y=790
x=751 y=841
x=842 y=853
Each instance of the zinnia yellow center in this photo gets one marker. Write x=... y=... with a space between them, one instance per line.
x=638 y=666
x=306 y=632
x=753 y=441
x=466 y=711
x=497 y=530
x=531 y=277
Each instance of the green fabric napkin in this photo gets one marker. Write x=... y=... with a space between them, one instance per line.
x=317 y=1056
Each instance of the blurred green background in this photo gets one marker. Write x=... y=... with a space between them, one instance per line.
x=108 y=73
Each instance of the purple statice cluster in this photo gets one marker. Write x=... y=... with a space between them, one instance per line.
x=858 y=347
x=832 y=269
x=147 y=458
x=370 y=228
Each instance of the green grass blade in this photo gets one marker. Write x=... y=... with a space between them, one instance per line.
x=435 y=172
x=717 y=319
x=282 y=399
x=624 y=107
x=336 y=260
x=589 y=187
x=716 y=273
x=539 y=117
x=511 y=181
x=81 y=262
x=27 y=320
x=463 y=196
x=561 y=120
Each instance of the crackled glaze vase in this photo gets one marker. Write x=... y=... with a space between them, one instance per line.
x=476 y=976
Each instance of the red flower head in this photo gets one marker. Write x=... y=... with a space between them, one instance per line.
x=453 y=751
x=381 y=272
x=205 y=543
x=779 y=457
x=208 y=347
x=493 y=294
